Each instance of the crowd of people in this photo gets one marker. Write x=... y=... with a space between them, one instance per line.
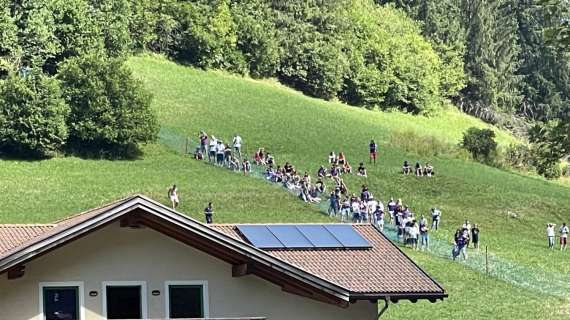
x=563 y=235
x=222 y=154
x=419 y=170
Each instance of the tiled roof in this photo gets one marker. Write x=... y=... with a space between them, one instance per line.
x=383 y=268
x=13 y=235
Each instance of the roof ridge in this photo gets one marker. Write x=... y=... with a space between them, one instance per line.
x=106 y=205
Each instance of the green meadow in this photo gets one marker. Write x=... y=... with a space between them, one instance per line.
x=303 y=131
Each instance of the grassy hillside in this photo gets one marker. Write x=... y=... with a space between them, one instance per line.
x=304 y=130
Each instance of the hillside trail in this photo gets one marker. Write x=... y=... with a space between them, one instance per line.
x=534 y=279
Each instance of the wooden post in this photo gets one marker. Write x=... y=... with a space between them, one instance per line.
x=486 y=261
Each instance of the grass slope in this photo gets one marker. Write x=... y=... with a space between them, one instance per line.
x=303 y=130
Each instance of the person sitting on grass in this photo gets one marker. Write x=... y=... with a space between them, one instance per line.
x=341 y=159
x=321 y=186
x=428 y=170
x=314 y=195
x=259 y=157
x=419 y=170
x=322 y=172
x=269 y=159
x=335 y=173
x=198 y=155
x=406 y=168
x=346 y=168
x=361 y=170
x=332 y=158
x=234 y=163
x=246 y=167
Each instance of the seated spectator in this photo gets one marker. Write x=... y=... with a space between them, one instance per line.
x=419 y=170
x=198 y=155
x=320 y=186
x=258 y=158
x=332 y=158
x=314 y=195
x=362 y=170
x=365 y=194
x=269 y=160
x=322 y=172
x=307 y=178
x=341 y=159
x=406 y=168
x=346 y=168
x=234 y=163
x=246 y=167
x=428 y=170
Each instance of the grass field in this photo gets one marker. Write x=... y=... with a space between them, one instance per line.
x=304 y=130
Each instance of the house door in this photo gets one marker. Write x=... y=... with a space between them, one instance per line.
x=61 y=303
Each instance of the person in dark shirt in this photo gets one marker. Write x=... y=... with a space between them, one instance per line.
x=373 y=151
x=209 y=212
x=406 y=169
x=475 y=236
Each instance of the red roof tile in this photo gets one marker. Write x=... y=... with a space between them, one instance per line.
x=13 y=235
x=383 y=268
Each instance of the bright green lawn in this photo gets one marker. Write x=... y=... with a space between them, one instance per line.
x=304 y=130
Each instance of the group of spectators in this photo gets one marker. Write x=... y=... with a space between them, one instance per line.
x=419 y=170
x=464 y=236
x=222 y=154
x=563 y=234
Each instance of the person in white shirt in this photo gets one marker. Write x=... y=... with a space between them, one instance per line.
x=237 y=144
x=173 y=196
x=564 y=230
x=212 y=149
x=413 y=234
x=550 y=235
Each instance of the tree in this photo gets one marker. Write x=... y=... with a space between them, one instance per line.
x=32 y=116
x=110 y=111
x=112 y=18
x=480 y=143
x=492 y=58
x=10 y=50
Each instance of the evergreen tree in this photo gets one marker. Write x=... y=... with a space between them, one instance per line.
x=492 y=58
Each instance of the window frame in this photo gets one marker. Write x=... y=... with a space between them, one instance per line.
x=65 y=284
x=142 y=284
x=205 y=295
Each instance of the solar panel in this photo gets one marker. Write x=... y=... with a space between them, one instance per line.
x=319 y=236
x=290 y=236
x=260 y=236
x=347 y=236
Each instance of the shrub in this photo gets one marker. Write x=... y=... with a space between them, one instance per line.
x=110 y=111
x=480 y=143
x=519 y=156
x=566 y=170
x=32 y=116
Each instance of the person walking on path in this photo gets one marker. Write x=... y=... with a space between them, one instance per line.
x=564 y=230
x=373 y=151
x=237 y=145
x=209 y=212
x=475 y=236
x=173 y=196
x=550 y=234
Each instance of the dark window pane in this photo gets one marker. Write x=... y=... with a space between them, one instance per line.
x=186 y=301
x=124 y=302
x=61 y=303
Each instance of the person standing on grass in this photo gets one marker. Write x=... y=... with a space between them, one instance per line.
x=220 y=149
x=475 y=236
x=209 y=212
x=435 y=218
x=413 y=233
x=173 y=196
x=237 y=144
x=334 y=203
x=424 y=234
x=460 y=245
x=203 y=142
x=212 y=150
x=564 y=236
x=373 y=151
x=550 y=234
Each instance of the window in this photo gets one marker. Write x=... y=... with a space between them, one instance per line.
x=61 y=301
x=124 y=300
x=186 y=299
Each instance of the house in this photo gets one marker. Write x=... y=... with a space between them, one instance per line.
x=137 y=259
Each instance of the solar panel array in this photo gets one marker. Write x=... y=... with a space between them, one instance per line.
x=305 y=236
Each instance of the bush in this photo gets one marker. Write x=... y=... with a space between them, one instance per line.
x=566 y=170
x=480 y=143
x=519 y=156
x=32 y=116
x=110 y=111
